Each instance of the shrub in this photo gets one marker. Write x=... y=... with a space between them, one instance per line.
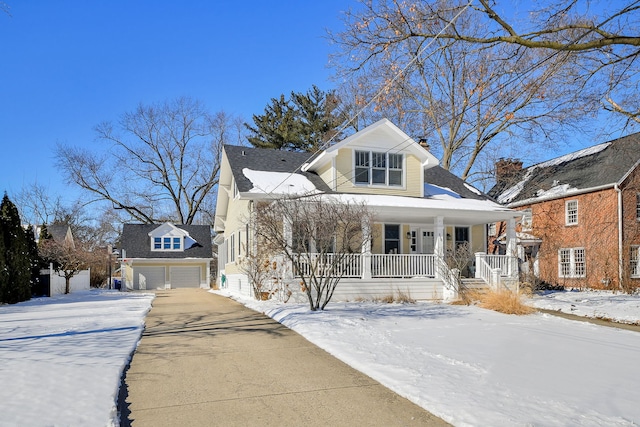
x=505 y=301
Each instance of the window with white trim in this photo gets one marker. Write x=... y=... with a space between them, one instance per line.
x=634 y=264
x=572 y=263
x=378 y=168
x=492 y=229
x=571 y=212
x=527 y=220
x=166 y=243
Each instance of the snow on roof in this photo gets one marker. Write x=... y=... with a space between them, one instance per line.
x=278 y=182
x=512 y=192
x=437 y=191
x=473 y=189
x=573 y=156
x=442 y=202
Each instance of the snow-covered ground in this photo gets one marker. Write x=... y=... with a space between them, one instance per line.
x=474 y=367
x=622 y=308
x=61 y=358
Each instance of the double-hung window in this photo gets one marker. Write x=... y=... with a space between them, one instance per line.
x=634 y=261
x=571 y=212
x=572 y=263
x=378 y=168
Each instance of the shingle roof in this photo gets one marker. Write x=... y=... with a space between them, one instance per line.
x=288 y=161
x=135 y=241
x=597 y=166
x=261 y=159
x=443 y=178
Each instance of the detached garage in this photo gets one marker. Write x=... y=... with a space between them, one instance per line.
x=165 y=256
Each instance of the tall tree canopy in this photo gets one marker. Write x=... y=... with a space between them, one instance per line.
x=457 y=74
x=161 y=161
x=303 y=122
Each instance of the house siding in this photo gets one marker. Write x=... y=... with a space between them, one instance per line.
x=235 y=223
x=412 y=179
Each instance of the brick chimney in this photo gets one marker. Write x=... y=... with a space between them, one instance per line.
x=507 y=170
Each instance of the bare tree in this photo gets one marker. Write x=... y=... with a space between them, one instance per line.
x=466 y=100
x=67 y=259
x=161 y=163
x=601 y=37
x=318 y=235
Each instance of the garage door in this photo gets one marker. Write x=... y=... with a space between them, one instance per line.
x=185 y=277
x=148 y=277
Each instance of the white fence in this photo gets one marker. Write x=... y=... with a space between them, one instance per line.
x=57 y=284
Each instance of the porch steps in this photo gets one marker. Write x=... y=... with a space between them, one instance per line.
x=474 y=284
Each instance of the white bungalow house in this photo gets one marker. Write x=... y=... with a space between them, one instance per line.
x=421 y=211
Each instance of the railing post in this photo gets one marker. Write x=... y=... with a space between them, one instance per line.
x=479 y=260
x=366 y=265
x=495 y=279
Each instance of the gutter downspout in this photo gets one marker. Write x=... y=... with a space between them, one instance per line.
x=619 y=191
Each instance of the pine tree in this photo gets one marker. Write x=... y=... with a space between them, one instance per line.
x=319 y=117
x=302 y=123
x=277 y=128
x=34 y=259
x=16 y=255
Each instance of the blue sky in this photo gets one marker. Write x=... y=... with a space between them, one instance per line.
x=67 y=65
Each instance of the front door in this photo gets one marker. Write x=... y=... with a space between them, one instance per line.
x=427 y=241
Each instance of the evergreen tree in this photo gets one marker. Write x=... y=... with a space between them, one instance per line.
x=16 y=285
x=319 y=117
x=277 y=128
x=302 y=123
x=34 y=258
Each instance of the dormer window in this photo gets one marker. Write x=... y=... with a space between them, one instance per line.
x=378 y=168
x=167 y=243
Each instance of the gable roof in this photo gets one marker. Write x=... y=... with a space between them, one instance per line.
x=591 y=168
x=381 y=134
x=61 y=234
x=136 y=242
x=261 y=159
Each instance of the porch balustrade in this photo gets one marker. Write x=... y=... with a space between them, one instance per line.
x=352 y=265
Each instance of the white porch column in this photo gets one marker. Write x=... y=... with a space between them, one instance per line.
x=439 y=236
x=438 y=243
x=512 y=247
x=366 y=249
x=287 y=233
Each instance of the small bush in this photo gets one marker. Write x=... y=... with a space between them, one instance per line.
x=505 y=302
x=404 y=297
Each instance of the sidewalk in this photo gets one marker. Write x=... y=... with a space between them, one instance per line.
x=205 y=360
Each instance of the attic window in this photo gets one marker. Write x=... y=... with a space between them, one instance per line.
x=378 y=168
x=166 y=243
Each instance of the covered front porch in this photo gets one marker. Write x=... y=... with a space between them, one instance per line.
x=414 y=251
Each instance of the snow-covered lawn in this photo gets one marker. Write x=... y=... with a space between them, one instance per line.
x=622 y=308
x=61 y=358
x=474 y=367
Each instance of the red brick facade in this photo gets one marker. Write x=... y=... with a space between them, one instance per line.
x=595 y=235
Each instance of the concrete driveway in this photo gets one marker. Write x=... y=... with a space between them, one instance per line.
x=205 y=360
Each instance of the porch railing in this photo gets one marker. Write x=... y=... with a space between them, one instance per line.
x=349 y=266
x=492 y=268
x=403 y=265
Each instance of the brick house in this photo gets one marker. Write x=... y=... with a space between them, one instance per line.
x=581 y=216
